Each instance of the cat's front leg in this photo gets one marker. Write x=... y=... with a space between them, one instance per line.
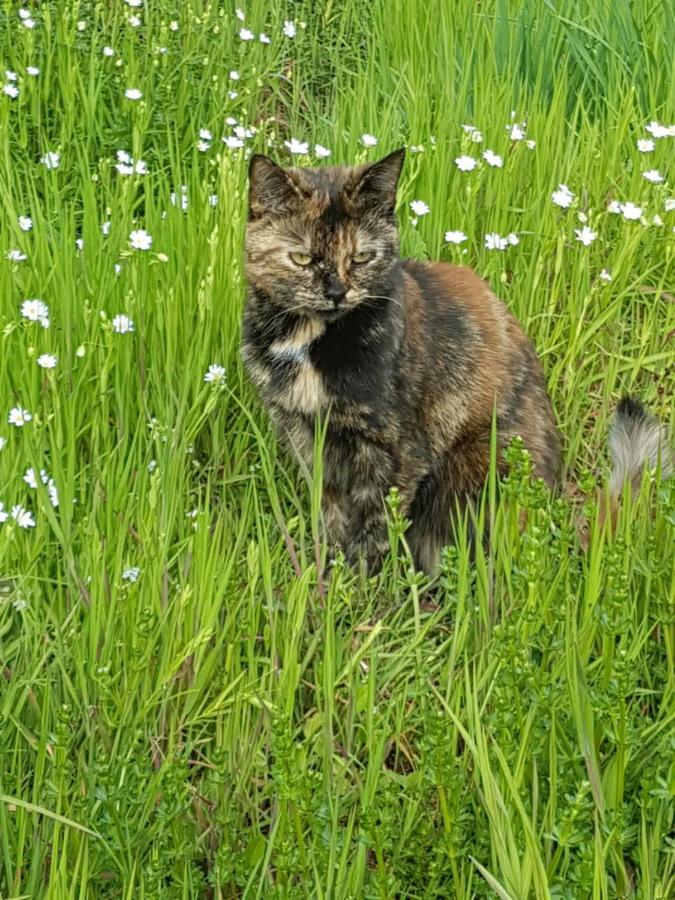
x=367 y=524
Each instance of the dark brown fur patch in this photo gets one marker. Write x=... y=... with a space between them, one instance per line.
x=410 y=359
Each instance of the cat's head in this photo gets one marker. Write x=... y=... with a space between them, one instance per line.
x=322 y=241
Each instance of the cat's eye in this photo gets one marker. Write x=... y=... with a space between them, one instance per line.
x=301 y=259
x=363 y=257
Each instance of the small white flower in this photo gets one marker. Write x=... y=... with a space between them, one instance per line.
x=124 y=169
x=2 y=442
x=234 y=75
x=265 y=38
x=512 y=238
x=653 y=175
x=15 y=256
x=239 y=13
x=246 y=35
x=3 y=515
x=122 y=324
x=296 y=146
x=203 y=146
x=179 y=199
x=140 y=167
x=105 y=228
x=140 y=240
x=28 y=23
x=25 y=223
x=455 y=237
x=320 y=151
x=134 y=3
x=152 y=465
x=669 y=204
x=205 y=134
x=494 y=241
x=134 y=21
x=645 y=145
x=289 y=29
x=32 y=70
x=131 y=574
x=530 y=144
x=36 y=311
x=46 y=361
x=51 y=160
x=614 y=207
x=516 y=132
x=476 y=136
x=23 y=517
x=230 y=120
x=53 y=493
x=18 y=416
x=586 y=235
x=234 y=143
x=492 y=159
x=233 y=95
x=81 y=25
x=133 y=94
x=10 y=76
x=79 y=243
x=659 y=131
x=173 y=26
x=466 y=163
x=216 y=374
x=24 y=13
x=582 y=217
x=31 y=478
x=368 y=140
x=419 y=207
x=605 y=275
x=657 y=220
x=563 y=196
x=124 y=157
x=630 y=211
x=108 y=51
x=11 y=90
x=213 y=199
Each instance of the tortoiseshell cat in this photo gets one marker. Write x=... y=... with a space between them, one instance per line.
x=410 y=358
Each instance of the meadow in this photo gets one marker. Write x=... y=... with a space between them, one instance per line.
x=195 y=701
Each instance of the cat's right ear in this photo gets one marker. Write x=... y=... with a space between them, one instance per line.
x=271 y=189
x=378 y=182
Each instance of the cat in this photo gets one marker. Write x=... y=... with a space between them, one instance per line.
x=408 y=360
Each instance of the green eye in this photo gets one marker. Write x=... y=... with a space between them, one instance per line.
x=301 y=259
x=363 y=257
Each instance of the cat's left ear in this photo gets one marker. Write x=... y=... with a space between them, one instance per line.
x=377 y=183
x=271 y=188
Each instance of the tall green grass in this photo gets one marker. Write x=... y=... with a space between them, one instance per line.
x=248 y=718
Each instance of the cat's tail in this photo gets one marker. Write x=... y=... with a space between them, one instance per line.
x=636 y=440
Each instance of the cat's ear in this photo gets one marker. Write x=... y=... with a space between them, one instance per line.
x=377 y=183
x=271 y=188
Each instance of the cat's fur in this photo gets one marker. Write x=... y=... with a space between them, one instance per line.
x=409 y=359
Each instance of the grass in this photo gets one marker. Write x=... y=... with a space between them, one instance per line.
x=236 y=722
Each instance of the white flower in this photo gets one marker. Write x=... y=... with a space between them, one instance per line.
x=23 y=517
x=134 y=21
x=419 y=207
x=180 y=199
x=124 y=157
x=320 y=151
x=203 y=146
x=605 y=275
x=476 y=136
x=563 y=196
x=296 y=146
x=246 y=35
x=205 y=134
x=79 y=243
x=131 y=574
x=36 y=311
x=653 y=175
x=265 y=38
x=239 y=13
x=3 y=515
x=289 y=29
x=46 y=361
x=494 y=241
x=15 y=256
x=466 y=163
x=18 y=416
x=105 y=227
x=108 y=51
x=586 y=235
x=614 y=207
x=25 y=223
x=134 y=3
x=234 y=143
x=492 y=159
x=140 y=167
x=232 y=95
x=133 y=94
x=173 y=26
x=657 y=220
x=455 y=237
x=10 y=76
x=122 y=324
x=28 y=23
x=368 y=140
x=630 y=210
x=669 y=204
x=51 y=160
x=216 y=374
x=230 y=120
x=234 y=75
x=530 y=144
x=81 y=25
x=512 y=238
x=53 y=493
x=213 y=199
x=645 y=145
x=516 y=132
x=11 y=90
x=140 y=240
x=660 y=131
x=2 y=442
x=31 y=479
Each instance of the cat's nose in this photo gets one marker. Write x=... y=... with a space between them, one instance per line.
x=335 y=290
